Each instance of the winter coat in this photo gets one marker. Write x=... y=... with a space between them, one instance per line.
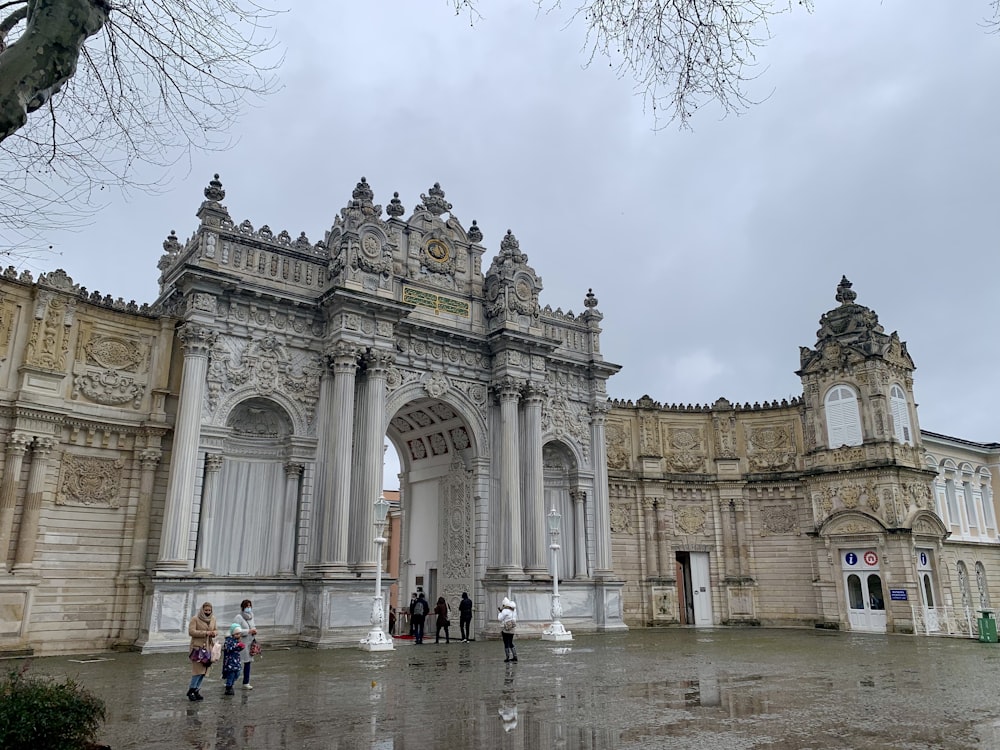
x=508 y=611
x=232 y=650
x=246 y=625
x=200 y=638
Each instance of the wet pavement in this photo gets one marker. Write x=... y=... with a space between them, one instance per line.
x=720 y=689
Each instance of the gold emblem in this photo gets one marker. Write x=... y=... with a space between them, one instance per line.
x=438 y=251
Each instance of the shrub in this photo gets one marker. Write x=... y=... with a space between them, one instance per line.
x=37 y=712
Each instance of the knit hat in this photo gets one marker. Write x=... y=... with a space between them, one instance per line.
x=235 y=629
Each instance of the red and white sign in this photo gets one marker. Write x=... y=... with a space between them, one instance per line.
x=871 y=558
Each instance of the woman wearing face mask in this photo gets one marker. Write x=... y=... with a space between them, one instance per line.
x=247 y=632
x=202 y=630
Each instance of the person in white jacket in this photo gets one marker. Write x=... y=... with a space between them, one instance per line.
x=507 y=617
x=247 y=632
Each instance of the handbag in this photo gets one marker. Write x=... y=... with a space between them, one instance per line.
x=509 y=625
x=254 y=648
x=200 y=655
x=216 y=651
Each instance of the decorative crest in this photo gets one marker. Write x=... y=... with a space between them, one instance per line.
x=171 y=245
x=214 y=191
x=395 y=207
x=475 y=235
x=434 y=202
x=845 y=295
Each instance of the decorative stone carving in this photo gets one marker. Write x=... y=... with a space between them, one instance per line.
x=436 y=385
x=115 y=353
x=685 y=452
x=770 y=447
x=511 y=287
x=621 y=519
x=619 y=442
x=89 y=481
x=778 y=519
x=564 y=417
x=109 y=387
x=649 y=436
x=48 y=343
x=690 y=520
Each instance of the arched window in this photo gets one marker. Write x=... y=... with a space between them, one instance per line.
x=900 y=415
x=963 y=585
x=928 y=590
x=984 y=590
x=843 y=421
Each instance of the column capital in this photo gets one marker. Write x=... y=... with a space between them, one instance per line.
x=534 y=392
x=342 y=357
x=508 y=388
x=213 y=461
x=578 y=495
x=378 y=361
x=42 y=446
x=197 y=340
x=18 y=442
x=150 y=457
x=293 y=469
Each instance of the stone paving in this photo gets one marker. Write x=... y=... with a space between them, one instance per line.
x=725 y=689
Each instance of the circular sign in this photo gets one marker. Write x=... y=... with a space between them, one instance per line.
x=851 y=558
x=923 y=558
x=871 y=558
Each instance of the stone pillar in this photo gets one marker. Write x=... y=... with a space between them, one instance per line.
x=206 y=526
x=579 y=498
x=27 y=536
x=662 y=543
x=175 y=536
x=369 y=458
x=293 y=477
x=508 y=393
x=533 y=523
x=649 y=538
x=17 y=444
x=336 y=500
x=602 y=510
x=148 y=459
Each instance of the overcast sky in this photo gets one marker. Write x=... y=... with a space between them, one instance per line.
x=873 y=154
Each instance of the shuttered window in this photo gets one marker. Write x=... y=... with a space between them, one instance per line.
x=900 y=415
x=843 y=421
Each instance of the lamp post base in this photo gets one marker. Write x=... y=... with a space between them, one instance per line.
x=377 y=640
x=556 y=632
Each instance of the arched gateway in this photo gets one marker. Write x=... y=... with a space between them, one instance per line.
x=299 y=359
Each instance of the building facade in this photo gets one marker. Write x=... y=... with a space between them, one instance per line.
x=227 y=442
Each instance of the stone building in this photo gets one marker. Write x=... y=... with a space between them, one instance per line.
x=227 y=441
x=832 y=510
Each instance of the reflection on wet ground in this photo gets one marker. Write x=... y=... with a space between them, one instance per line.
x=721 y=689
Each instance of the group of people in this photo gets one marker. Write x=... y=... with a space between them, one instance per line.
x=419 y=609
x=236 y=651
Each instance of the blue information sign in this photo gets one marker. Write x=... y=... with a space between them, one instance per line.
x=851 y=558
x=897 y=595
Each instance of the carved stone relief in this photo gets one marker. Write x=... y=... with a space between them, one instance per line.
x=619 y=440
x=770 y=447
x=562 y=416
x=778 y=519
x=690 y=520
x=48 y=343
x=685 y=449
x=621 y=519
x=89 y=481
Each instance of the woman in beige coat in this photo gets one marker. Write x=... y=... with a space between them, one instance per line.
x=202 y=631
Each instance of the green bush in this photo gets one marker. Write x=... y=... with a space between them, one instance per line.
x=37 y=712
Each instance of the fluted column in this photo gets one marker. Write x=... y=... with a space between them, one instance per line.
x=17 y=444
x=649 y=521
x=508 y=393
x=175 y=536
x=579 y=497
x=337 y=498
x=662 y=540
x=602 y=512
x=207 y=536
x=148 y=459
x=533 y=501
x=293 y=477
x=369 y=454
x=27 y=536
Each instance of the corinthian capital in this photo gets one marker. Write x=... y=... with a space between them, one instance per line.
x=196 y=340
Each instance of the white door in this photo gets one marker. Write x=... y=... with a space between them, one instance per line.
x=925 y=573
x=702 y=590
x=864 y=591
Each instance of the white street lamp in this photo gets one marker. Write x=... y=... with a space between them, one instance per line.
x=555 y=631
x=377 y=639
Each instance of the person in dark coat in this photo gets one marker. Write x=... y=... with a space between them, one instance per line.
x=420 y=610
x=441 y=610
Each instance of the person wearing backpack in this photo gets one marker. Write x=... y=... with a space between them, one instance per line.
x=420 y=610
x=508 y=624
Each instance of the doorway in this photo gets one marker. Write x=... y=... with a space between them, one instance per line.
x=694 y=589
x=864 y=591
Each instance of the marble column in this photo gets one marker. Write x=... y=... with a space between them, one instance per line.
x=207 y=530
x=148 y=459
x=509 y=521
x=602 y=510
x=17 y=444
x=337 y=499
x=579 y=498
x=27 y=536
x=369 y=452
x=533 y=523
x=175 y=535
x=293 y=478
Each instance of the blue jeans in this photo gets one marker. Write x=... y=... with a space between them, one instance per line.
x=418 y=628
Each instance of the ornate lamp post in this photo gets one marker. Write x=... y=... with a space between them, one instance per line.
x=377 y=639
x=555 y=631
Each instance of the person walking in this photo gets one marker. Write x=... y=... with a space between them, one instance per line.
x=441 y=610
x=202 y=630
x=508 y=624
x=248 y=631
x=232 y=662
x=420 y=610
x=413 y=603
x=464 y=616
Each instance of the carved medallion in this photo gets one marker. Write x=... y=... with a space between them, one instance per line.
x=91 y=481
x=690 y=520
